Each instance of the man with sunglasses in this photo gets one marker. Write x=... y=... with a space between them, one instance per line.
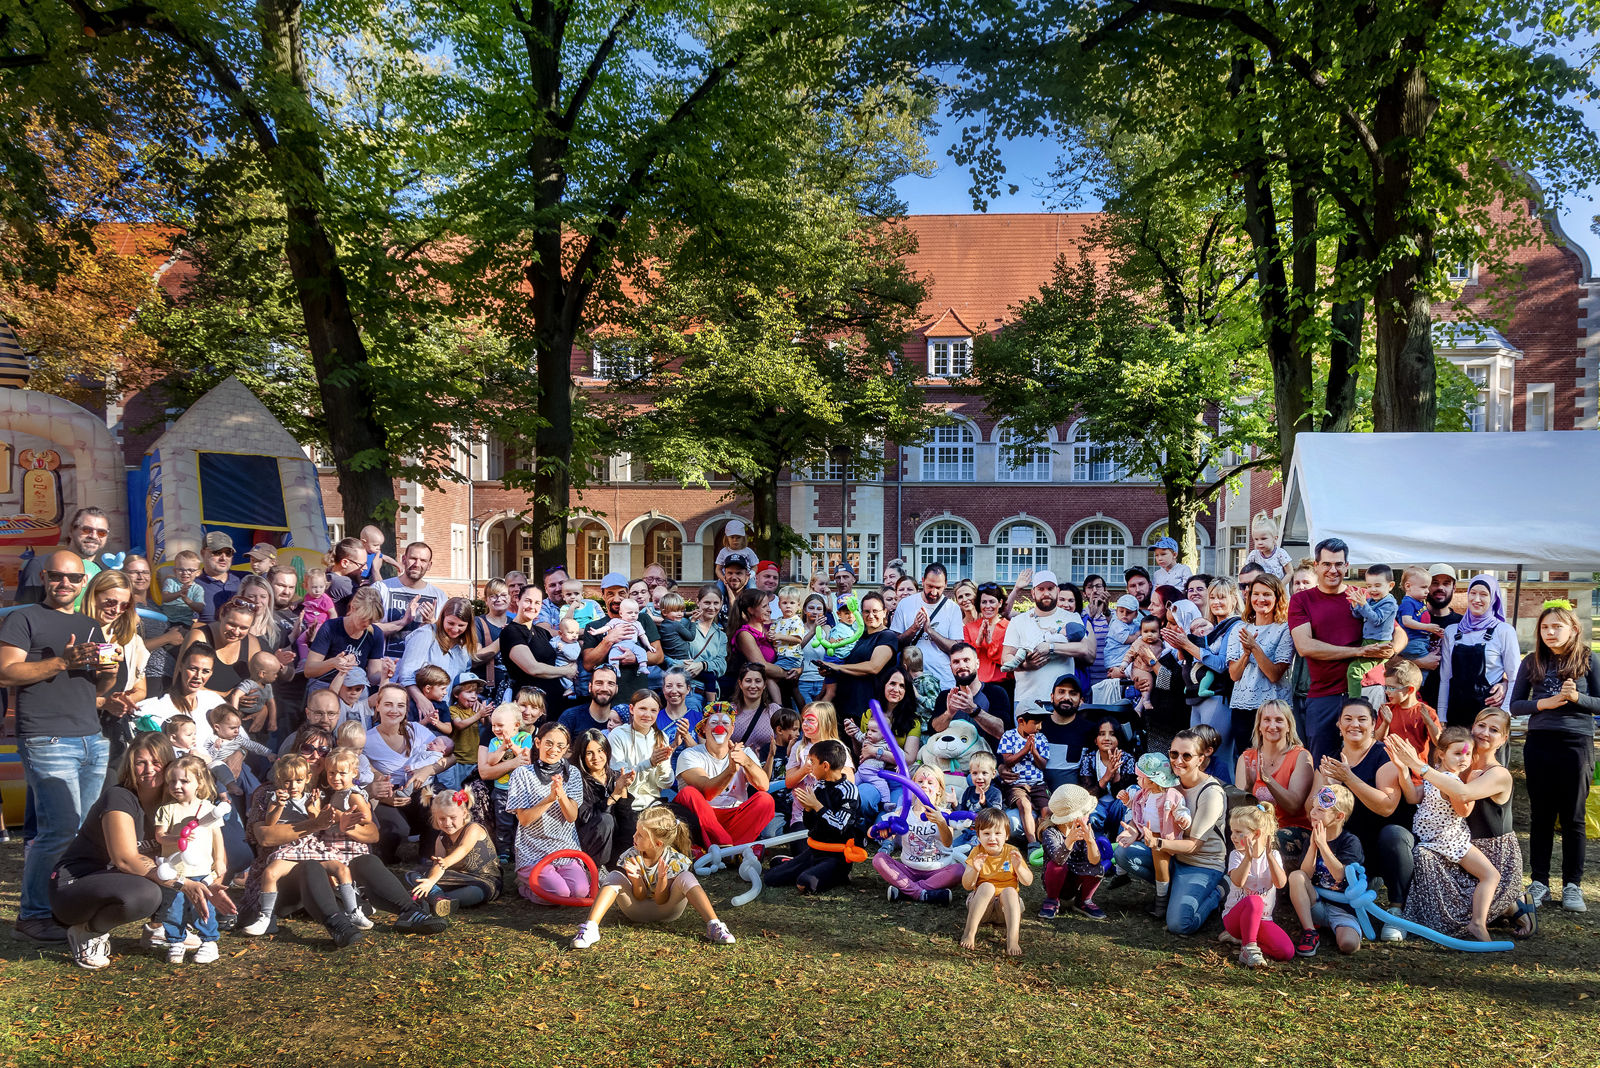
x=87 y=532
x=218 y=579
x=52 y=655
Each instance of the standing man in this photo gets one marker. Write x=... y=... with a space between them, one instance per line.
x=1441 y=592
x=1326 y=633
x=550 y=610
x=87 y=532
x=844 y=578
x=932 y=622
x=409 y=600
x=218 y=578
x=735 y=577
x=50 y=653
x=598 y=638
x=1046 y=643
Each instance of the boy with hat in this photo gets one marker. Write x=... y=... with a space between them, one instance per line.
x=734 y=535
x=1168 y=571
x=263 y=557
x=465 y=712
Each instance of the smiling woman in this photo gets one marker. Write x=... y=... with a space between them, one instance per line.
x=109 y=602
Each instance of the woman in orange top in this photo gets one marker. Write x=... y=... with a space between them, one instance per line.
x=1276 y=769
x=987 y=633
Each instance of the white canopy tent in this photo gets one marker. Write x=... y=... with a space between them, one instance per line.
x=1529 y=499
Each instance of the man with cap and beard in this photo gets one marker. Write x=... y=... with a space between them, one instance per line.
x=1441 y=591
x=1045 y=643
x=599 y=638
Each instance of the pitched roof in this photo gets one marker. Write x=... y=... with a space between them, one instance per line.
x=978 y=266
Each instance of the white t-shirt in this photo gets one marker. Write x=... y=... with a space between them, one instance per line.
x=945 y=618
x=734 y=794
x=1027 y=631
x=396 y=598
x=161 y=709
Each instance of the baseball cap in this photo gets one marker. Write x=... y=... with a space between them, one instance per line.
x=216 y=540
x=263 y=550
x=1129 y=572
x=1128 y=601
x=1068 y=679
x=1038 y=711
x=1041 y=578
x=466 y=678
x=736 y=561
x=735 y=528
x=843 y=567
x=1441 y=570
x=614 y=578
x=1166 y=543
x=766 y=565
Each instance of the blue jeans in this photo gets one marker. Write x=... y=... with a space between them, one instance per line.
x=1196 y=892
x=64 y=777
x=1108 y=815
x=177 y=912
x=809 y=691
x=1322 y=726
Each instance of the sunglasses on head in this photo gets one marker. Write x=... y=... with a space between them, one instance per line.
x=71 y=578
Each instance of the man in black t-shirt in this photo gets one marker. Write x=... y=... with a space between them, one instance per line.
x=55 y=658
x=598 y=639
x=969 y=699
x=1441 y=591
x=1067 y=730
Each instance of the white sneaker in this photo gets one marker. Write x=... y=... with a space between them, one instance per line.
x=892 y=893
x=1250 y=956
x=717 y=932
x=88 y=950
x=154 y=936
x=1572 y=898
x=175 y=953
x=1537 y=894
x=207 y=953
x=360 y=920
x=1390 y=933
x=588 y=934
x=257 y=926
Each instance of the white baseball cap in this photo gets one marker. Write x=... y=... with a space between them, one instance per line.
x=1441 y=570
x=735 y=528
x=1041 y=578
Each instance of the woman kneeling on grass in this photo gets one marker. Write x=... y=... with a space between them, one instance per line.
x=654 y=883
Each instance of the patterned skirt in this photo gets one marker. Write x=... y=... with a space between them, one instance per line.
x=1440 y=897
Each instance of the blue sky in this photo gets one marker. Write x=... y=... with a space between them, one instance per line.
x=1029 y=162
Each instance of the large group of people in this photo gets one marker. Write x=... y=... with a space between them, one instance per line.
x=210 y=748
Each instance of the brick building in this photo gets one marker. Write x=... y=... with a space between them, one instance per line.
x=971 y=497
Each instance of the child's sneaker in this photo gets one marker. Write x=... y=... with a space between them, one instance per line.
x=207 y=953
x=1307 y=944
x=1048 y=908
x=588 y=934
x=153 y=936
x=892 y=893
x=938 y=897
x=257 y=926
x=717 y=932
x=175 y=953
x=1250 y=956
x=1093 y=911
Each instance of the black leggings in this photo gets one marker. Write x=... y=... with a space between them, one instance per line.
x=396 y=825
x=1395 y=860
x=1559 y=768
x=307 y=886
x=811 y=869
x=105 y=900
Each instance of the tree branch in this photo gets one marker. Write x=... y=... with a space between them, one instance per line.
x=1261 y=461
x=591 y=73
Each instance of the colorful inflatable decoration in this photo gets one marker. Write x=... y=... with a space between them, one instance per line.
x=1361 y=899
x=564 y=854
x=716 y=858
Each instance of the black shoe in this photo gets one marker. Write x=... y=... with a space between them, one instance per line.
x=1157 y=909
x=418 y=922
x=344 y=932
x=42 y=929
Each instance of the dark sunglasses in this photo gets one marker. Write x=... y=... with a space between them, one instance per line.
x=311 y=748
x=1173 y=754
x=221 y=552
x=71 y=578
x=101 y=531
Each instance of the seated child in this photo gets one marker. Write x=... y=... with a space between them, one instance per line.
x=569 y=648
x=1265 y=551
x=1255 y=874
x=352 y=691
x=926 y=868
x=315 y=610
x=1156 y=803
x=463 y=870
x=181 y=595
x=510 y=748
x=653 y=883
x=1376 y=609
x=995 y=872
x=627 y=623
x=1442 y=830
x=579 y=607
x=1333 y=849
x=870 y=770
x=1071 y=854
x=1413 y=615
x=1022 y=754
x=352 y=735
x=295 y=800
x=432 y=709
x=229 y=737
x=981 y=792
x=263 y=709
x=774 y=756
x=545 y=797
x=831 y=811
x=189 y=824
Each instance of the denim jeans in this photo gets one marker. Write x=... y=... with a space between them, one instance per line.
x=64 y=777
x=177 y=913
x=1196 y=892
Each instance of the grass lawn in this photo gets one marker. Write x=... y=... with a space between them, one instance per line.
x=845 y=979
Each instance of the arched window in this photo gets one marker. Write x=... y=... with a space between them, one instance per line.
x=1091 y=460
x=593 y=552
x=1020 y=460
x=1019 y=547
x=949 y=454
x=1099 y=548
x=949 y=543
x=664 y=545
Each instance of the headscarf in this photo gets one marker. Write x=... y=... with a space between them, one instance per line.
x=1471 y=624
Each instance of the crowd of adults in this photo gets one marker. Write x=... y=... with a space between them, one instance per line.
x=709 y=698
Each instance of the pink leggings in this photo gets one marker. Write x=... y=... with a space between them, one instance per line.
x=913 y=881
x=570 y=879
x=1246 y=923
x=1057 y=878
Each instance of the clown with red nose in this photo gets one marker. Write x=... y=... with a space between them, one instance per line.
x=723 y=785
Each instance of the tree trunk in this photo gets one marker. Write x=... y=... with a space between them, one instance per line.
x=552 y=442
x=1183 y=509
x=1344 y=350
x=1404 y=398
x=764 y=507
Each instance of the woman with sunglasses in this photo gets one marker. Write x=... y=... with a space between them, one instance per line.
x=1199 y=856
x=108 y=600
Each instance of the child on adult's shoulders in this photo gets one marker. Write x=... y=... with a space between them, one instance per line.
x=1168 y=571
x=1265 y=552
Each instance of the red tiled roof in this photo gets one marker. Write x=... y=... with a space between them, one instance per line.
x=978 y=266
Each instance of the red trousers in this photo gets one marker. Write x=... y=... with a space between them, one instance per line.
x=728 y=826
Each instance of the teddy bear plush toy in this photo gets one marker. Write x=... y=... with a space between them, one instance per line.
x=952 y=750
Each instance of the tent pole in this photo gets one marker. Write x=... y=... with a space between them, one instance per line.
x=1516 y=604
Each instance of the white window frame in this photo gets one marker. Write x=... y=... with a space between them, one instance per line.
x=675 y=571
x=1013 y=558
x=1036 y=458
x=458 y=551
x=949 y=357
x=1093 y=461
x=948 y=542
x=1108 y=557
x=335 y=529
x=1546 y=395
x=616 y=361
x=950 y=454
x=863 y=549
x=588 y=571
x=1462 y=272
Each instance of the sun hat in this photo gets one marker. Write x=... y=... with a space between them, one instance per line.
x=1070 y=803
x=1158 y=769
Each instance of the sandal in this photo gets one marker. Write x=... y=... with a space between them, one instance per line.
x=1525 y=910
